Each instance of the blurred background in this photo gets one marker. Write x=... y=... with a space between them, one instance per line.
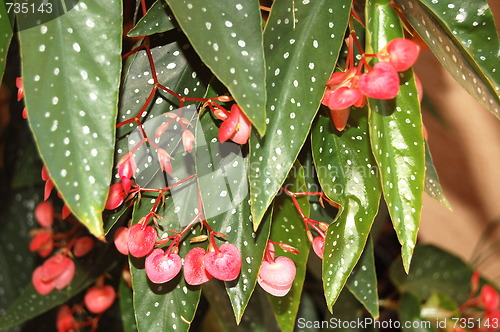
x=464 y=140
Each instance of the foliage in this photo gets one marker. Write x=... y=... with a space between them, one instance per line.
x=154 y=118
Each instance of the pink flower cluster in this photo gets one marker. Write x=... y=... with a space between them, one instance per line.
x=200 y=265
x=351 y=87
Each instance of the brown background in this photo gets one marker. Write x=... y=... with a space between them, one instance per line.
x=466 y=152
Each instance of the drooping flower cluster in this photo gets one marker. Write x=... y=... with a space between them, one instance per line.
x=97 y=300
x=483 y=305
x=351 y=87
x=200 y=265
x=57 y=271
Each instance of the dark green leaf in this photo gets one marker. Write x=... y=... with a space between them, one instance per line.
x=227 y=37
x=288 y=227
x=433 y=270
x=71 y=71
x=222 y=177
x=302 y=41
x=16 y=261
x=348 y=175
x=255 y=319
x=169 y=306
x=463 y=36
x=126 y=307
x=432 y=186
x=5 y=37
x=409 y=311
x=157 y=19
x=363 y=281
x=396 y=135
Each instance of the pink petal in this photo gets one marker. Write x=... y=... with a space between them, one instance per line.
x=403 y=53
x=281 y=272
x=141 y=240
x=194 y=267
x=224 y=264
x=381 y=83
x=343 y=97
x=161 y=267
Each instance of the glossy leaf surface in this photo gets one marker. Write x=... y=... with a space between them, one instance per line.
x=348 y=175
x=222 y=176
x=396 y=135
x=288 y=227
x=432 y=186
x=227 y=37
x=71 y=74
x=463 y=36
x=363 y=281
x=158 y=19
x=301 y=44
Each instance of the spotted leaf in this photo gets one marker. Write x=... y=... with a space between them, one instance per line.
x=363 y=281
x=223 y=182
x=396 y=135
x=432 y=186
x=302 y=41
x=463 y=36
x=6 y=36
x=169 y=306
x=452 y=278
x=226 y=35
x=157 y=19
x=288 y=227
x=348 y=175
x=71 y=70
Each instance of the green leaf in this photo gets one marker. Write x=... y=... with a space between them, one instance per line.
x=158 y=19
x=256 y=318
x=363 y=281
x=432 y=186
x=5 y=37
x=227 y=37
x=396 y=135
x=222 y=177
x=433 y=270
x=31 y=304
x=71 y=71
x=17 y=221
x=302 y=41
x=463 y=36
x=409 y=311
x=169 y=306
x=288 y=227
x=348 y=175
x=126 y=307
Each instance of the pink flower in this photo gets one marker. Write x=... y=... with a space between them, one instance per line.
x=380 y=83
x=164 y=159
x=276 y=276
x=126 y=170
x=162 y=266
x=342 y=91
x=401 y=53
x=236 y=127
